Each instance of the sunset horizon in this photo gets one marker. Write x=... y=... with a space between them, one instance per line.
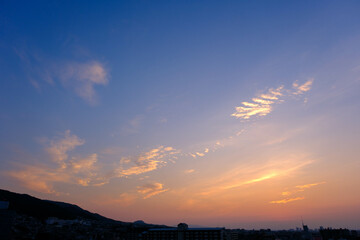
x=235 y=114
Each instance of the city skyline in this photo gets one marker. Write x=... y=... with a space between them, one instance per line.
x=236 y=114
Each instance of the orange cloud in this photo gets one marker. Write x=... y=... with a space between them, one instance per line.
x=246 y=175
x=85 y=171
x=255 y=180
x=146 y=162
x=151 y=189
x=200 y=154
x=300 y=89
x=59 y=147
x=82 y=171
x=287 y=200
x=309 y=185
x=84 y=164
x=39 y=178
x=301 y=188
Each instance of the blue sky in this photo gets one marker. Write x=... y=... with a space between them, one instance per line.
x=157 y=107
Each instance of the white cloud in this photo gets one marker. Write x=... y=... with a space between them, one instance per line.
x=260 y=106
x=82 y=77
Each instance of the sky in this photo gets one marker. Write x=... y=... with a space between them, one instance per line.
x=237 y=114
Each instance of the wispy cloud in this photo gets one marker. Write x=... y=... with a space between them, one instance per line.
x=300 y=89
x=188 y=171
x=82 y=77
x=287 y=200
x=254 y=180
x=79 y=170
x=134 y=125
x=59 y=147
x=38 y=178
x=79 y=76
x=145 y=162
x=151 y=189
x=84 y=170
x=309 y=185
x=262 y=104
x=124 y=199
x=259 y=106
x=255 y=174
x=301 y=188
x=202 y=153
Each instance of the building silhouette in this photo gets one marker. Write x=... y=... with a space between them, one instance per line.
x=183 y=232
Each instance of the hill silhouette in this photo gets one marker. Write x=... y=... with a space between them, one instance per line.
x=43 y=209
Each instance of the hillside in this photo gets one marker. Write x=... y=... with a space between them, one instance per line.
x=43 y=209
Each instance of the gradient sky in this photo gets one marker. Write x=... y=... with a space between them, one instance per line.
x=243 y=114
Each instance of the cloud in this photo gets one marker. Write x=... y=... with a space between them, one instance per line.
x=82 y=77
x=260 y=106
x=145 y=162
x=42 y=178
x=133 y=126
x=309 y=185
x=60 y=146
x=254 y=180
x=300 y=89
x=125 y=199
x=84 y=170
x=188 y=171
x=79 y=170
x=38 y=178
x=151 y=189
x=252 y=174
x=301 y=188
x=287 y=200
x=240 y=132
x=163 y=120
x=84 y=164
x=283 y=136
x=206 y=151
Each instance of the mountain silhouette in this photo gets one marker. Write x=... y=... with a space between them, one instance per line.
x=43 y=209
